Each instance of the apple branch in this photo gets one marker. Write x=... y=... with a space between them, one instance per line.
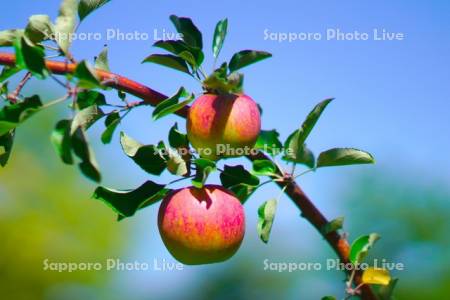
x=151 y=97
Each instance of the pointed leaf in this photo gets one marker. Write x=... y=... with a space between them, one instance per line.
x=89 y=98
x=39 y=28
x=361 y=246
x=298 y=153
x=242 y=191
x=176 y=138
x=177 y=47
x=191 y=35
x=81 y=148
x=333 y=225
x=86 y=7
x=30 y=57
x=385 y=292
x=175 y=163
x=219 y=36
x=7 y=37
x=301 y=134
x=234 y=175
x=61 y=141
x=65 y=24
x=204 y=168
x=87 y=76
x=127 y=202
x=6 y=144
x=266 y=215
x=14 y=114
x=344 y=156
x=168 y=60
x=171 y=104
x=86 y=117
x=101 y=61
x=148 y=157
x=111 y=123
x=268 y=142
x=245 y=58
x=264 y=167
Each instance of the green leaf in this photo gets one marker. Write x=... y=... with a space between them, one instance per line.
x=264 y=167
x=148 y=157
x=89 y=98
x=311 y=120
x=242 y=191
x=219 y=36
x=61 y=141
x=266 y=215
x=344 y=156
x=328 y=298
x=295 y=148
x=8 y=71
x=245 y=58
x=65 y=24
x=361 y=246
x=177 y=139
x=82 y=150
x=176 y=164
x=13 y=115
x=30 y=57
x=268 y=142
x=333 y=225
x=127 y=202
x=39 y=28
x=234 y=175
x=7 y=37
x=191 y=35
x=6 y=144
x=111 y=123
x=4 y=88
x=178 y=47
x=385 y=292
x=171 y=104
x=101 y=61
x=221 y=83
x=168 y=60
x=86 y=7
x=86 y=117
x=298 y=153
x=204 y=168
x=87 y=77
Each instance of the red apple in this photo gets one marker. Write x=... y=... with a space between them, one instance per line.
x=218 y=121
x=201 y=226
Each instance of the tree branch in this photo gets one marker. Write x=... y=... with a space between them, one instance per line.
x=151 y=97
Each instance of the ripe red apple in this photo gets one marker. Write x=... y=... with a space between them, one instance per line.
x=201 y=226
x=228 y=120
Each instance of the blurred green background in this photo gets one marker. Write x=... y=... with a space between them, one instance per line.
x=392 y=99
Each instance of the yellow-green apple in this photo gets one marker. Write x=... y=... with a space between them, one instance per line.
x=223 y=125
x=201 y=226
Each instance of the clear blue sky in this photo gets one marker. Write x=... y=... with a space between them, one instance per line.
x=392 y=97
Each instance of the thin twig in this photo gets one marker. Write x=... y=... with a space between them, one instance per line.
x=14 y=95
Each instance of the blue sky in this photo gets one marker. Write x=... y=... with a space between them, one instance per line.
x=392 y=97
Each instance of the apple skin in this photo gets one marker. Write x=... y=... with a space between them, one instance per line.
x=228 y=119
x=201 y=226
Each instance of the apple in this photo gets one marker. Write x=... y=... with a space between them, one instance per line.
x=201 y=226
x=226 y=121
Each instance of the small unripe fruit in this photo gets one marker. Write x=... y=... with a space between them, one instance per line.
x=201 y=226
x=230 y=121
